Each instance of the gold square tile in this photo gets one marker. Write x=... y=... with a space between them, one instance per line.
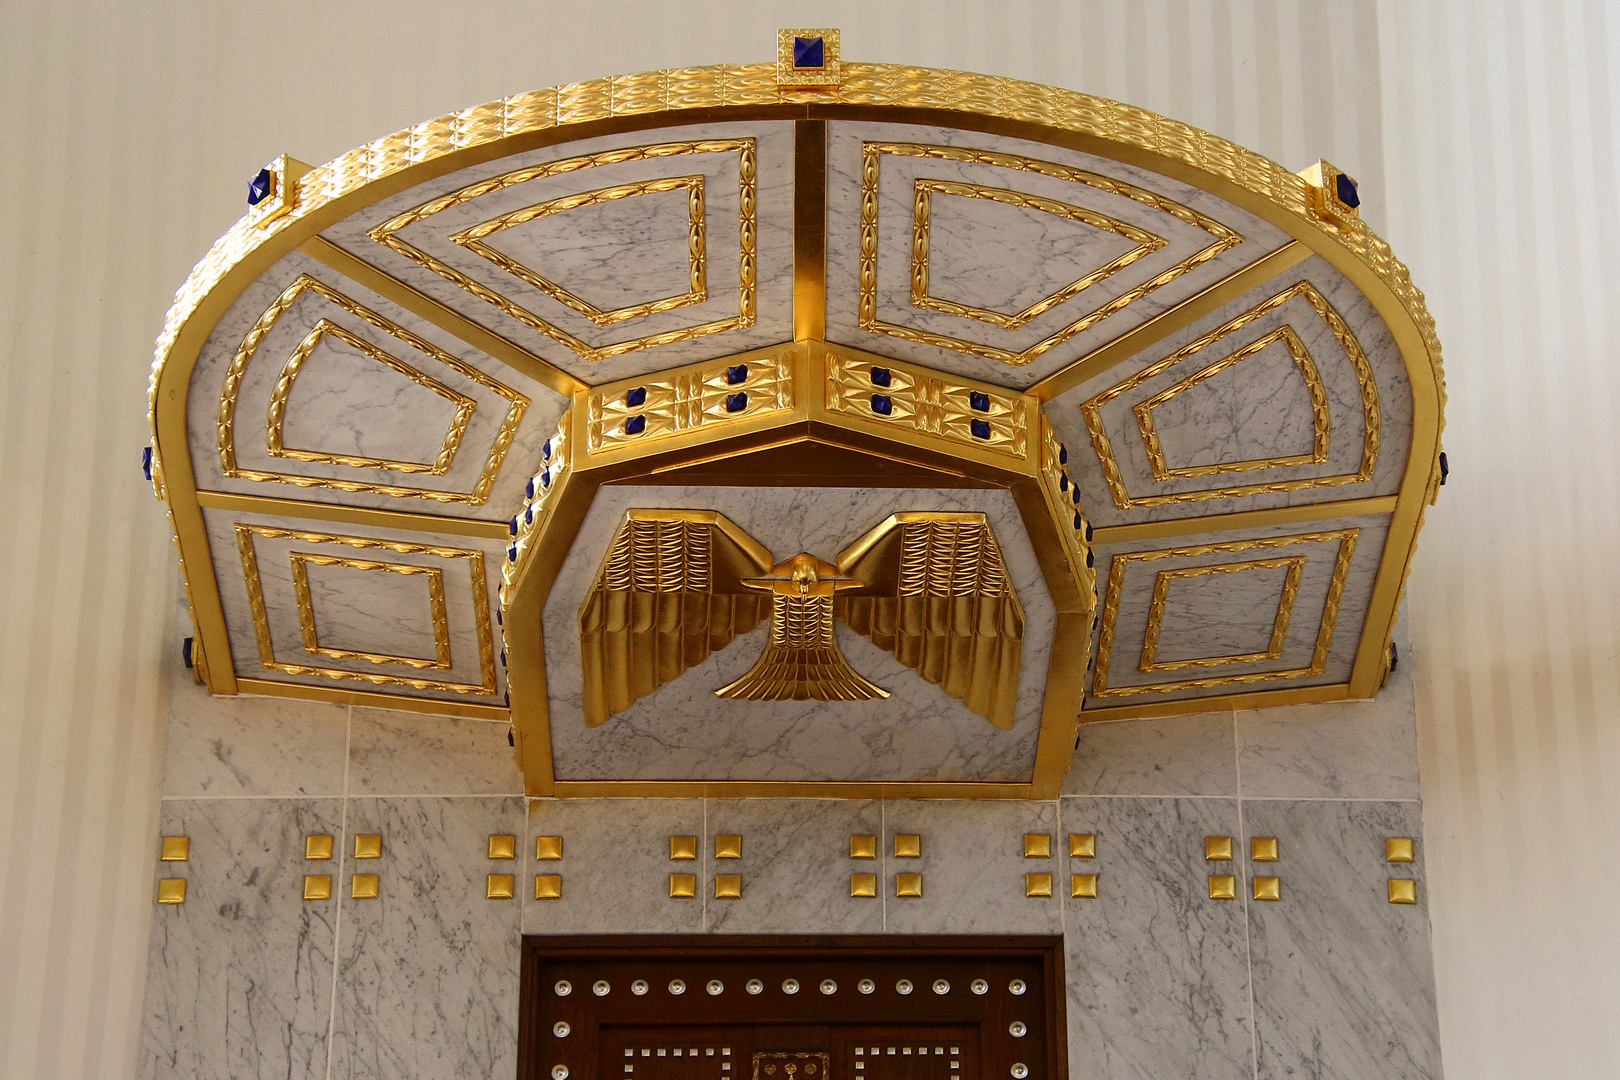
x=1082 y=845
x=500 y=887
x=363 y=887
x=1267 y=888
x=172 y=890
x=863 y=884
x=547 y=848
x=1037 y=845
x=1402 y=891
x=176 y=849
x=1037 y=884
x=728 y=846
x=907 y=846
x=727 y=886
x=1398 y=849
x=862 y=846
x=548 y=886
x=318 y=846
x=1263 y=848
x=1222 y=887
x=1217 y=848
x=368 y=846
x=682 y=886
x=502 y=847
x=1083 y=886
x=683 y=847
x=908 y=884
x=317 y=886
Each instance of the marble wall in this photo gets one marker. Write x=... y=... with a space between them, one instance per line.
x=247 y=979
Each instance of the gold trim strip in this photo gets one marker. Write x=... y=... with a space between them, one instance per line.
x=687 y=399
x=809 y=230
x=1251 y=699
x=352 y=515
x=1244 y=519
x=1167 y=322
x=755 y=789
x=1279 y=625
x=301 y=560
x=372 y=699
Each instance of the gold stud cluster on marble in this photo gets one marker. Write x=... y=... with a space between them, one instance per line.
x=908 y=846
x=863 y=846
x=318 y=848
x=726 y=886
x=1221 y=886
x=173 y=849
x=1038 y=846
x=1083 y=846
x=501 y=886
x=548 y=849
x=365 y=886
x=1398 y=849
x=1264 y=849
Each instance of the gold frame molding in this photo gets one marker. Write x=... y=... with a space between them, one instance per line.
x=302 y=560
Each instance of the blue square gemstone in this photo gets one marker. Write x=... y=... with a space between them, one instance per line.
x=545 y=451
x=545 y=477
x=1079 y=523
x=808 y=52
x=880 y=376
x=980 y=428
x=882 y=405
x=736 y=402
x=1088 y=532
x=1345 y=188
x=737 y=373
x=1063 y=481
x=1063 y=454
x=635 y=425
x=980 y=402
x=261 y=187
x=528 y=489
x=528 y=514
x=511 y=527
x=636 y=398
x=146 y=462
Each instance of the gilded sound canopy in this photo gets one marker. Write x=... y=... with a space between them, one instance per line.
x=845 y=429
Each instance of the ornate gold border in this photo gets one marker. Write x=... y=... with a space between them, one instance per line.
x=928 y=402
x=1279 y=625
x=1092 y=408
x=295 y=363
x=301 y=560
x=688 y=398
x=387 y=234
x=261 y=620
x=1324 y=633
x=226 y=417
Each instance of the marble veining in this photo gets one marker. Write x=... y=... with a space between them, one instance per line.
x=1343 y=979
x=247 y=745
x=1158 y=980
x=1022 y=243
x=395 y=618
x=681 y=731
x=239 y=977
x=575 y=252
x=1169 y=755
x=400 y=753
x=427 y=981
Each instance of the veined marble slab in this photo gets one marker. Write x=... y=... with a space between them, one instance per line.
x=239 y=977
x=403 y=753
x=683 y=732
x=1169 y=755
x=249 y=745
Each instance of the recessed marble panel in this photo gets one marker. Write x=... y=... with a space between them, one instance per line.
x=1336 y=749
x=1230 y=416
x=795 y=866
x=1157 y=971
x=1170 y=755
x=398 y=610
x=427 y=981
x=973 y=866
x=580 y=253
x=347 y=403
x=239 y=977
x=1343 y=979
x=249 y=745
x=401 y=753
x=349 y=611
x=1025 y=242
x=682 y=731
x=1211 y=631
x=615 y=866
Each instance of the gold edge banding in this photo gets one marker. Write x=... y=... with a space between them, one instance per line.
x=809 y=230
x=352 y=515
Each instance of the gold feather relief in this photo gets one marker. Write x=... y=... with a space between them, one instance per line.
x=677 y=585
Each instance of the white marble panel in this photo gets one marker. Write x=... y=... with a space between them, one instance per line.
x=1157 y=971
x=239 y=977
x=1209 y=635
x=615 y=866
x=1027 y=244
x=395 y=618
x=355 y=613
x=1170 y=755
x=401 y=753
x=427 y=981
x=359 y=405
x=795 y=866
x=973 y=866
x=682 y=731
x=1229 y=416
x=580 y=257
x=1337 y=749
x=1343 y=979
x=249 y=745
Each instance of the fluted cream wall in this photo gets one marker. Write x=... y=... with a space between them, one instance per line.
x=1500 y=135
x=127 y=132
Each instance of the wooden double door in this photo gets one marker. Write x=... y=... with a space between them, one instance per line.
x=660 y=1008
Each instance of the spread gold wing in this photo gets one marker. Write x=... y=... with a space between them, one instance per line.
x=668 y=594
x=938 y=597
